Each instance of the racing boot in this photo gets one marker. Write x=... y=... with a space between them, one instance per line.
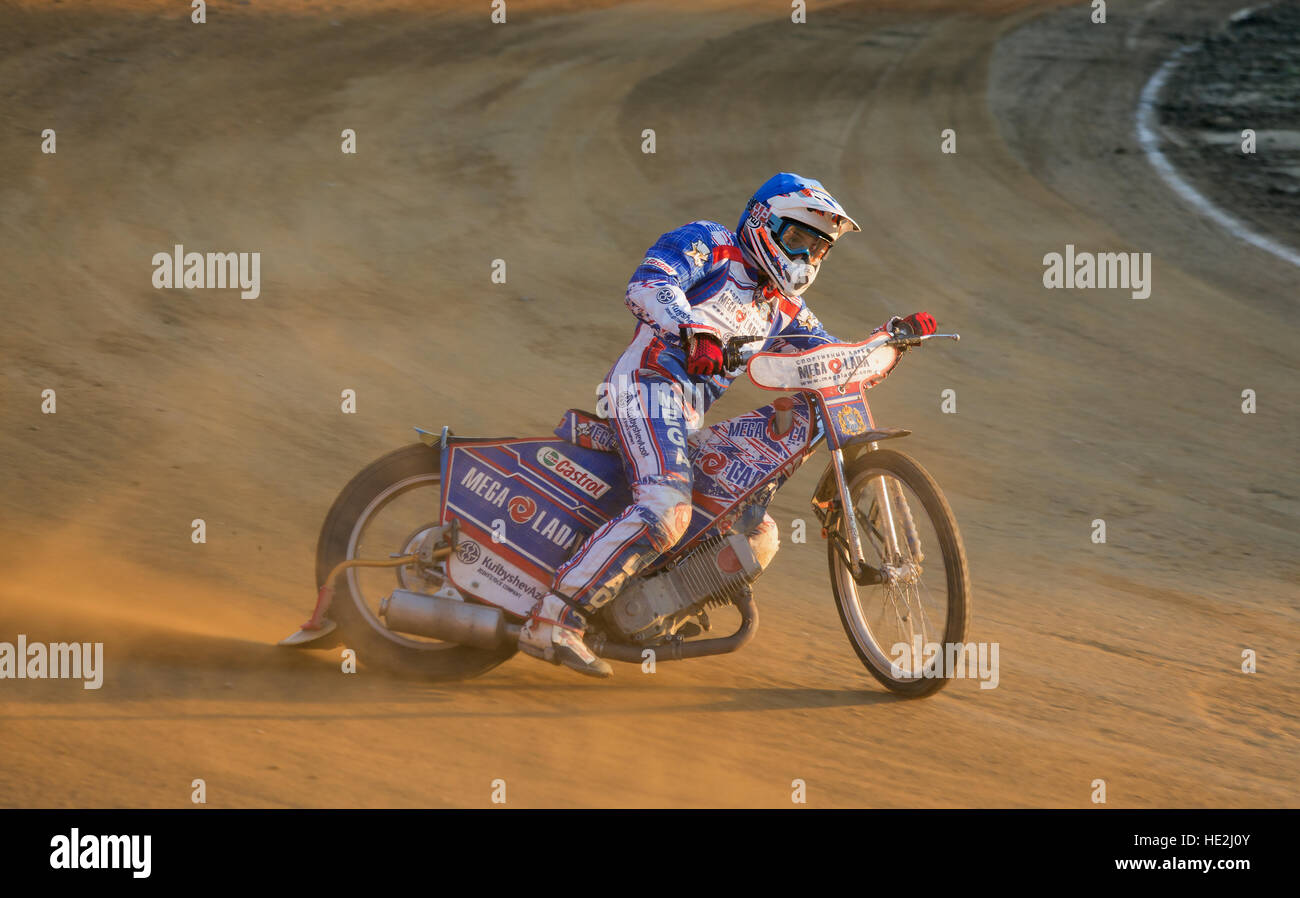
x=553 y=632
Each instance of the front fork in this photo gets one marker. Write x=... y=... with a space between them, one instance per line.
x=848 y=511
x=889 y=503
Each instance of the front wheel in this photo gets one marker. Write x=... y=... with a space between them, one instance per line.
x=386 y=510
x=906 y=611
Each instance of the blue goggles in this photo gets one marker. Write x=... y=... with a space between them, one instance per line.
x=798 y=239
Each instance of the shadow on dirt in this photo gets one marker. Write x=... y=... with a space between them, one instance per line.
x=155 y=664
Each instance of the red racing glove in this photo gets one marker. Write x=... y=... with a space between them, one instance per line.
x=921 y=323
x=703 y=353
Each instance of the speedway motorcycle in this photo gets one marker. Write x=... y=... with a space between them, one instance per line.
x=433 y=555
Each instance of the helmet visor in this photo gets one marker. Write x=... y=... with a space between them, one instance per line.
x=797 y=239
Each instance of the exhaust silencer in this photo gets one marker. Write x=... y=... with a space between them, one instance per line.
x=436 y=617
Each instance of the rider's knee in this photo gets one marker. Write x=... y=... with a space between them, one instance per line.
x=758 y=527
x=764 y=540
x=665 y=507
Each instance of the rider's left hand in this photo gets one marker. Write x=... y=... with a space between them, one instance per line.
x=921 y=323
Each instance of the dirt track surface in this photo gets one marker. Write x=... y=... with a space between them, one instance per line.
x=1118 y=661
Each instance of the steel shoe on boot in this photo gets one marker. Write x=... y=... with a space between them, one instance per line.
x=553 y=632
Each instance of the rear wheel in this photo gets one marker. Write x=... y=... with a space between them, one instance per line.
x=386 y=510
x=915 y=592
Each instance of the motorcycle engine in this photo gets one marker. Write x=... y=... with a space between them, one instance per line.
x=714 y=574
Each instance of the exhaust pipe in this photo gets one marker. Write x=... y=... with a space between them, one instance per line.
x=485 y=627
x=696 y=648
x=479 y=626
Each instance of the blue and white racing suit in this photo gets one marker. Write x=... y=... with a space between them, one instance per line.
x=693 y=276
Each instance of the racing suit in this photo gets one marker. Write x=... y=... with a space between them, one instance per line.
x=696 y=277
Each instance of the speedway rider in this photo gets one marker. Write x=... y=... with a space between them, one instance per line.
x=697 y=287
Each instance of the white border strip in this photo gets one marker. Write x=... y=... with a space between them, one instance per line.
x=1146 y=135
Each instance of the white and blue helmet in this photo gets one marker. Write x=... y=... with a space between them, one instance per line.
x=788 y=227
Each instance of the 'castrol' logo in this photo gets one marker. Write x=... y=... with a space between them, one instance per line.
x=576 y=474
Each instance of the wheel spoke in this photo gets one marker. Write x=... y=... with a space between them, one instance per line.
x=390 y=524
x=909 y=607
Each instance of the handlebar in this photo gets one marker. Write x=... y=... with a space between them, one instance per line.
x=904 y=339
x=731 y=358
x=908 y=340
